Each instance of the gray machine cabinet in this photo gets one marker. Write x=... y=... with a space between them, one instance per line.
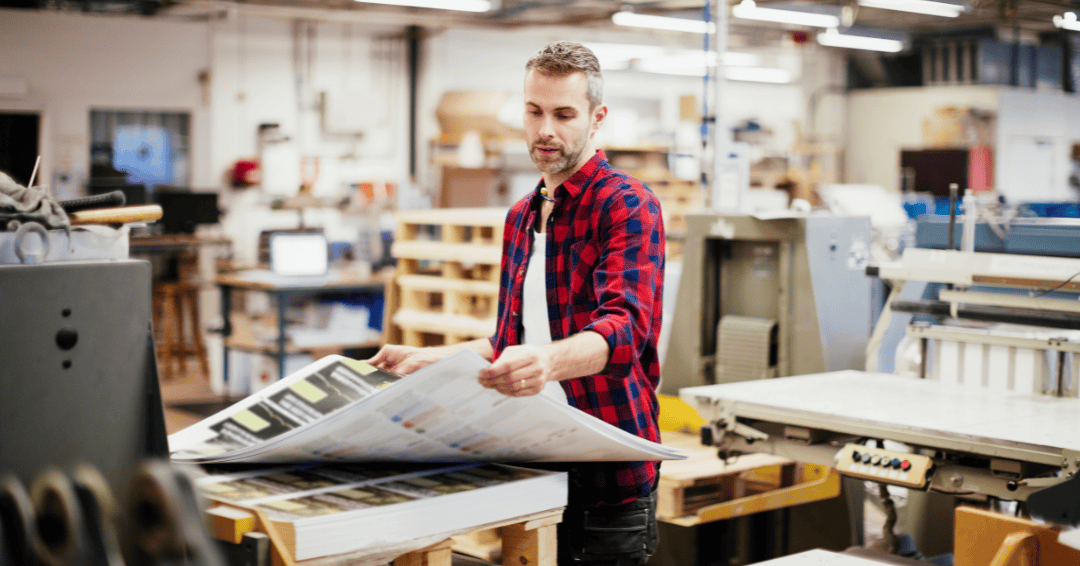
x=806 y=274
x=77 y=376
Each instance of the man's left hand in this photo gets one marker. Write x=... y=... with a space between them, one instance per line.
x=519 y=372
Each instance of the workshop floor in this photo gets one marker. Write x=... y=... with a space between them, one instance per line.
x=187 y=398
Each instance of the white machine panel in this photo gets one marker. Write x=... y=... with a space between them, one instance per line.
x=942 y=413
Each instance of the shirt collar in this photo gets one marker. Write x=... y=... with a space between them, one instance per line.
x=575 y=184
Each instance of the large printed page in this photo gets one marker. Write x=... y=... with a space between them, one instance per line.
x=343 y=410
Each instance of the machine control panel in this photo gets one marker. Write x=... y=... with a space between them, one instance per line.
x=887 y=466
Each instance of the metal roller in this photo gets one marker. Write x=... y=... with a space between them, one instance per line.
x=165 y=518
x=16 y=522
x=100 y=515
x=58 y=538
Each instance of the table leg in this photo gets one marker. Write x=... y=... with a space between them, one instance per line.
x=282 y=302
x=226 y=331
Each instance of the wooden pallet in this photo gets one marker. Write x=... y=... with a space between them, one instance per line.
x=523 y=541
x=447 y=283
x=687 y=486
x=703 y=488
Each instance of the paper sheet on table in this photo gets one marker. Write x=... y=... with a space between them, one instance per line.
x=338 y=409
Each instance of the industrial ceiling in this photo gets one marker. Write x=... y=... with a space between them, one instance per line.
x=1017 y=15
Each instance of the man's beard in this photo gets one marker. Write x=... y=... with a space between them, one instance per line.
x=570 y=158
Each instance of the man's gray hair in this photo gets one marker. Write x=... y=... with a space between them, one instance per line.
x=565 y=57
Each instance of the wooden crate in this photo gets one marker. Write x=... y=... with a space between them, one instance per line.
x=446 y=287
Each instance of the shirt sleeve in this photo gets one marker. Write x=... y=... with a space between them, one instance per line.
x=629 y=276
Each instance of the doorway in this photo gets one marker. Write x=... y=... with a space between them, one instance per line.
x=20 y=134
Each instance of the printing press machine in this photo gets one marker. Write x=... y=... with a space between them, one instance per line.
x=84 y=471
x=990 y=413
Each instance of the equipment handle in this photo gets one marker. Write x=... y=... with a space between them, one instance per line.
x=141 y=213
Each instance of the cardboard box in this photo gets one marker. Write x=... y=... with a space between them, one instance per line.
x=474 y=110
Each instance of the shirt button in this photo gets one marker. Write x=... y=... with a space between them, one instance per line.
x=514 y=314
x=521 y=272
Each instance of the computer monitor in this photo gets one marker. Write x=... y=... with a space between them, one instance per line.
x=181 y=211
x=299 y=254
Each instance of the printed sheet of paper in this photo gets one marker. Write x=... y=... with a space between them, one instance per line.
x=338 y=409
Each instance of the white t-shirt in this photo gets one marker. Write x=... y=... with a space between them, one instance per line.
x=534 y=307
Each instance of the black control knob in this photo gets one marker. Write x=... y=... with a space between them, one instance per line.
x=66 y=338
x=856 y=457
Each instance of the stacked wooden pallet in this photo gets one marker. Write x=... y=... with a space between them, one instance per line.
x=447 y=282
x=677 y=198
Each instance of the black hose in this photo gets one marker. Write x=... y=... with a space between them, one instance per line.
x=987 y=313
x=107 y=200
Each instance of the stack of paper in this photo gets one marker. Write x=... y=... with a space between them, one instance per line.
x=322 y=511
x=338 y=409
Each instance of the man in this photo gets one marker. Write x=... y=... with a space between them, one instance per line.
x=579 y=304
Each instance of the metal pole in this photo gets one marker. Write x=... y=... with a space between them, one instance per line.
x=719 y=130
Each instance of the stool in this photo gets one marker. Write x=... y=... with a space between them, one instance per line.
x=173 y=303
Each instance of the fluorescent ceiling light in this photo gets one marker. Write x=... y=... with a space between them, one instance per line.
x=751 y=74
x=1068 y=21
x=927 y=7
x=757 y=75
x=460 y=5
x=662 y=22
x=833 y=39
x=736 y=59
x=748 y=10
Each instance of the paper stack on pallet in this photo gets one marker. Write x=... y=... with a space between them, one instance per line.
x=343 y=508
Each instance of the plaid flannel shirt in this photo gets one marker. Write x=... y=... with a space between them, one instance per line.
x=605 y=273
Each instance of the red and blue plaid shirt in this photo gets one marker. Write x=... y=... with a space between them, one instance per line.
x=605 y=273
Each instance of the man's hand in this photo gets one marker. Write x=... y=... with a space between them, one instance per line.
x=520 y=371
x=405 y=359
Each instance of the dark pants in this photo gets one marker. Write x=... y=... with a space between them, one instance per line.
x=616 y=535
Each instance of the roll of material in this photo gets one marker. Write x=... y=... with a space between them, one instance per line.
x=166 y=521
x=16 y=522
x=71 y=518
x=100 y=515
x=59 y=538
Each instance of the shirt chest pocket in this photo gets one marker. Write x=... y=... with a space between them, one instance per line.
x=584 y=258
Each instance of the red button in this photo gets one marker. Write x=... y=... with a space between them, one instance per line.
x=905 y=465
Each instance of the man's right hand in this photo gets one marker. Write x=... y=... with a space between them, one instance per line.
x=406 y=359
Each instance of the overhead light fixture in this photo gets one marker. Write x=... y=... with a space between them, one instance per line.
x=833 y=38
x=757 y=75
x=751 y=74
x=460 y=5
x=1068 y=21
x=631 y=19
x=748 y=10
x=943 y=9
